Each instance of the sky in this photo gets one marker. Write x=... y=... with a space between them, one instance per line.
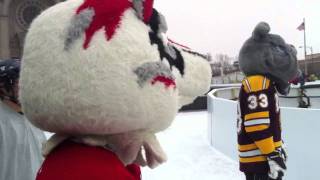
x=221 y=26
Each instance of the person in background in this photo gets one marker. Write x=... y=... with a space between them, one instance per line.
x=20 y=141
x=268 y=64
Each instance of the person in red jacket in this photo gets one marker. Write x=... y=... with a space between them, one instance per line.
x=104 y=78
x=268 y=64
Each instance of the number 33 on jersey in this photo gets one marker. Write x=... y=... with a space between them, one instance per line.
x=259 y=130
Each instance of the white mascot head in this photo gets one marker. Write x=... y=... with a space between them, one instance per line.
x=103 y=72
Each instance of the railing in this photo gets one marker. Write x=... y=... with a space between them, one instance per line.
x=300 y=132
x=200 y=103
x=311 y=93
x=294 y=99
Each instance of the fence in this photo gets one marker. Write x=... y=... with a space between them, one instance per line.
x=301 y=130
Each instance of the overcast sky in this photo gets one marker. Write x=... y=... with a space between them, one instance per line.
x=221 y=26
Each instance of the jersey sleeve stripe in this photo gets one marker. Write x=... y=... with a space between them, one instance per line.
x=266 y=146
x=278 y=144
x=257 y=122
x=256 y=128
x=253 y=146
x=257 y=115
x=251 y=153
x=253 y=159
x=247 y=147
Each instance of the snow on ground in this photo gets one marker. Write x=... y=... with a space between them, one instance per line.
x=190 y=157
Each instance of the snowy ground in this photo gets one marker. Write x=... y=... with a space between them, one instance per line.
x=190 y=157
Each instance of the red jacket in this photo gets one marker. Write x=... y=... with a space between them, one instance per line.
x=73 y=161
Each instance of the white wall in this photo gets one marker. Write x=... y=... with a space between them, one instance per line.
x=301 y=133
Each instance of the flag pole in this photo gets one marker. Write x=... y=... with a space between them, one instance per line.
x=305 y=49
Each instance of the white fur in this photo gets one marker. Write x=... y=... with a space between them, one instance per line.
x=92 y=91
x=196 y=80
x=92 y=96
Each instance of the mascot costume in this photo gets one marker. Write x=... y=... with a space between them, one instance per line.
x=268 y=64
x=103 y=76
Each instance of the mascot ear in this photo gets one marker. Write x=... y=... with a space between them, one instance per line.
x=260 y=31
x=144 y=9
x=293 y=49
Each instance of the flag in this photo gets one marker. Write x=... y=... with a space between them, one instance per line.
x=301 y=27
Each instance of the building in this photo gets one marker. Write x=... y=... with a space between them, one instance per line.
x=15 y=18
x=311 y=65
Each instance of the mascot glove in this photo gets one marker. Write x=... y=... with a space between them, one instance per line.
x=277 y=163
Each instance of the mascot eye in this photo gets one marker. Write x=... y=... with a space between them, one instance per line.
x=172 y=54
x=293 y=49
x=154 y=72
x=279 y=50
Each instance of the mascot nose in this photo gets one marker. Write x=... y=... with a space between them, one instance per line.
x=168 y=82
x=155 y=72
x=297 y=78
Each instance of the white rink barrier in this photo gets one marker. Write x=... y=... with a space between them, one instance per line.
x=300 y=130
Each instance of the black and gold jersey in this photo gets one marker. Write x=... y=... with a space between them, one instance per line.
x=259 y=127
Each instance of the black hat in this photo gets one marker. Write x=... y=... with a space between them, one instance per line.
x=9 y=71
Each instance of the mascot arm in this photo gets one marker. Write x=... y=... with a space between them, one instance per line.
x=77 y=161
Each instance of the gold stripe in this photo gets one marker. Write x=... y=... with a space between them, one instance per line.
x=253 y=159
x=253 y=146
x=257 y=115
x=256 y=83
x=247 y=147
x=266 y=146
x=278 y=144
x=256 y=128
